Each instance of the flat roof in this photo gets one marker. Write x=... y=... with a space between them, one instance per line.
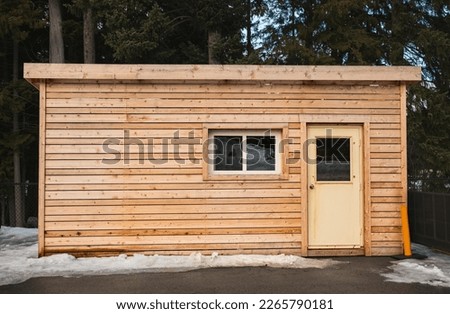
x=34 y=72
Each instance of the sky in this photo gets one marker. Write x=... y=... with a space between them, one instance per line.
x=19 y=262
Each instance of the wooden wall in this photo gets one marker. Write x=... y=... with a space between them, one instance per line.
x=149 y=206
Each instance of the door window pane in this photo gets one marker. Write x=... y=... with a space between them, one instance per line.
x=333 y=159
x=260 y=153
x=228 y=153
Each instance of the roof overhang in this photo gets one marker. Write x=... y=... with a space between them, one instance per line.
x=36 y=72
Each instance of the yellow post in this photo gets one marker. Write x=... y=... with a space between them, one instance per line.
x=405 y=231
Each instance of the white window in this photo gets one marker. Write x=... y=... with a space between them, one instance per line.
x=237 y=152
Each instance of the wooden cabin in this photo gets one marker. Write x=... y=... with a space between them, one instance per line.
x=176 y=159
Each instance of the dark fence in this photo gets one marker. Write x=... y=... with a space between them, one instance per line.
x=429 y=218
x=19 y=204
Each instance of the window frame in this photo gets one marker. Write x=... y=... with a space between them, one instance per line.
x=278 y=130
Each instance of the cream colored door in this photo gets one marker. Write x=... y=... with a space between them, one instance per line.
x=335 y=211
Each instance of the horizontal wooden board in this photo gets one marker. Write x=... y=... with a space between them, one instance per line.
x=139 y=179
x=118 y=209
x=240 y=107
x=206 y=249
x=110 y=162
x=114 y=105
x=333 y=116
x=259 y=73
x=385 y=155
x=385 y=162
x=170 y=232
x=386 y=214
x=389 y=170
x=171 y=224
x=395 y=229
x=147 y=148
x=384 y=185
x=387 y=192
x=321 y=90
x=166 y=99
x=180 y=217
x=122 y=126
x=385 y=148
x=383 y=207
x=388 y=245
x=386 y=199
x=385 y=177
x=126 y=134
x=386 y=126
x=123 y=251
x=174 y=201
x=120 y=157
x=151 y=186
x=157 y=144
x=385 y=140
x=335 y=252
x=386 y=222
x=183 y=247
x=173 y=240
x=171 y=194
x=384 y=133
x=318 y=117
x=379 y=250
x=123 y=171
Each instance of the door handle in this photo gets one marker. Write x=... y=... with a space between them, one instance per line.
x=311 y=186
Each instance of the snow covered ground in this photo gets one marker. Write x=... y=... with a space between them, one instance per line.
x=434 y=270
x=19 y=262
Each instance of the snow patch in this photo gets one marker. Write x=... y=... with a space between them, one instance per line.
x=19 y=262
x=434 y=271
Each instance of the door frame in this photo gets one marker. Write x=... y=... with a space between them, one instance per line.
x=364 y=124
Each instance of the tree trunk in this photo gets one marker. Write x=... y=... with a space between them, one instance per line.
x=56 y=49
x=88 y=36
x=213 y=39
x=249 y=27
x=18 y=205
x=293 y=23
x=396 y=45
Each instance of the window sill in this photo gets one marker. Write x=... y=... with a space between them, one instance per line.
x=244 y=177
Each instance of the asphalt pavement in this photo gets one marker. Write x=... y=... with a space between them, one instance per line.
x=353 y=275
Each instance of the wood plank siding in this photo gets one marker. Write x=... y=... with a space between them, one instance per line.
x=122 y=157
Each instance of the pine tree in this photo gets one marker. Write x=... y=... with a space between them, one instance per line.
x=429 y=105
x=135 y=30
x=17 y=20
x=289 y=34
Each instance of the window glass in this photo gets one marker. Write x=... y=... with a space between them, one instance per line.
x=228 y=153
x=333 y=159
x=245 y=152
x=260 y=153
